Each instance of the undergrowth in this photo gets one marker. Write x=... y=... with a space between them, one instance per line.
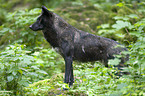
x=29 y=67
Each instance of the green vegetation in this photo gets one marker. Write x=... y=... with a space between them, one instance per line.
x=30 y=67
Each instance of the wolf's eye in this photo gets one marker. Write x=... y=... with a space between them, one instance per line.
x=40 y=20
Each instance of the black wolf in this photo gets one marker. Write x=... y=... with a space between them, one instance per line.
x=74 y=44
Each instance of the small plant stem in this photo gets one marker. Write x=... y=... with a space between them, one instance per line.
x=127 y=30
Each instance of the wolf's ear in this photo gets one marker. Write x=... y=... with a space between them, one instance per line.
x=46 y=11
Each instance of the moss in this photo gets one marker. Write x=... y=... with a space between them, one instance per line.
x=46 y=87
x=2 y=17
x=85 y=17
x=122 y=11
x=50 y=87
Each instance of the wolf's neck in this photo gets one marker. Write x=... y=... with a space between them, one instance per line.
x=51 y=37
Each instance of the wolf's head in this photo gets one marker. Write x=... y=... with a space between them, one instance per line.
x=46 y=18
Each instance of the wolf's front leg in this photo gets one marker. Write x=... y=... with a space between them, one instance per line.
x=71 y=77
x=69 y=71
x=67 y=51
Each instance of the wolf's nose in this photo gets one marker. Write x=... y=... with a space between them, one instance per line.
x=30 y=26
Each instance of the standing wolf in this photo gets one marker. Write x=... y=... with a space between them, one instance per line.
x=74 y=44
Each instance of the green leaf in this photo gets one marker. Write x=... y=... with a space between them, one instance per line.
x=120 y=18
x=14 y=73
x=142 y=46
x=121 y=86
x=2 y=66
x=27 y=61
x=43 y=72
x=23 y=82
x=10 y=78
x=105 y=26
x=84 y=79
x=121 y=24
x=33 y=74
x=120 y=35
x=20 y=71
x=115 y=61
x=135 y=33
x=44 y=50
x=36 y=53
x=35 y=67
x=136 y=66
x=120 y=4
x=40 y=61
x=133 y=16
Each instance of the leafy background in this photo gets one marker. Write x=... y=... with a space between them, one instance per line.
x=30 y=67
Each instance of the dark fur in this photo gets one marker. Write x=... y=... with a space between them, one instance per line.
x=74 y=44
